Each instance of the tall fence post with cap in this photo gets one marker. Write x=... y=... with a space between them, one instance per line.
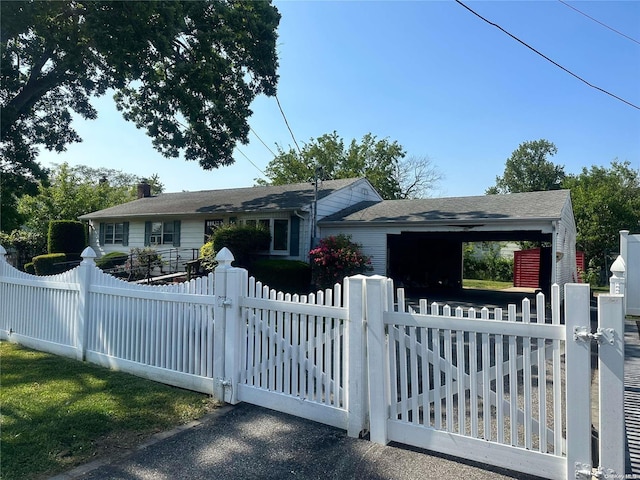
x=224 y=259
x=86 y=268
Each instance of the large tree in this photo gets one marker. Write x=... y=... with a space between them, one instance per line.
x=75 y=191
x=605 y=201
x=186 y=71
x=381 y=161
x=528 y=169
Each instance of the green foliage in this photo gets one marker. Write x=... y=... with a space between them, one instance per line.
x=244 y=242
x=67 y=236
x=487 y=265
x=13 y=185
x=605 y=201
x=59 y=412
x=112 y=260
x=208 y=257
x=75 y=191
x=291 y=276
x=335 y=258
x=185 y=71
x=50 y=263
x=29 y=268
x=529 y=170
x=141 y=261
x=381 y=161
x=26 y=244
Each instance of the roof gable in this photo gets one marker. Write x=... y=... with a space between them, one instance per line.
x=233 y=200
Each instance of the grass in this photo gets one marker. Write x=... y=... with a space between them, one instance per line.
x=58 y=412
x=486 y=284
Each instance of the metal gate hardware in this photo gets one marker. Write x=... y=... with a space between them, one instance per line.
x=583 y=470
x=602 y=335
x=223 y=301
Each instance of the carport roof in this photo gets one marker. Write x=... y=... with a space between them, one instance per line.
x=538 y=206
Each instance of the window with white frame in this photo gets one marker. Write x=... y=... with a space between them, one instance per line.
x=279 y=230
x=162 y=233
x=210 y=226
x=113 y=233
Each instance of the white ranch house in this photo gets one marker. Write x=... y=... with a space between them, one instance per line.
x=417 y=242
x=184 y=220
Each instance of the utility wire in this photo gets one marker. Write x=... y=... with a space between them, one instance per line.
x=599 y=22
x=547 y=58
x=256 y=167
x=287 y=123
x=254 y=132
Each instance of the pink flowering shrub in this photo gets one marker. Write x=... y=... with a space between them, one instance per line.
x=335 y=258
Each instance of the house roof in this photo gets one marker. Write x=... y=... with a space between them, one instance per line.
x=232 y=200
x=547 y=205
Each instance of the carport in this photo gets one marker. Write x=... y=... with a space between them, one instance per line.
x=418 y=242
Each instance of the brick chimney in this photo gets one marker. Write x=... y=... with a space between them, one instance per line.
x=144 y=189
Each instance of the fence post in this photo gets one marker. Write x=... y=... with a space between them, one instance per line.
x=224 y=259
x=3 y=260
x=355 y=355
x=578 y=379
x=377 y=356
x=235 y=338
x=611 y=385
x=84 y=278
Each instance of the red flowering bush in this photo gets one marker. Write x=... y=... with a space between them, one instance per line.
x=335 y=258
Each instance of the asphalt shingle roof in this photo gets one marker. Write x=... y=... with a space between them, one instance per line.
x=530 y=205
x=248 y=199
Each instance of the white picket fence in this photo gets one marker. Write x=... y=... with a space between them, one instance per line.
x=510 y=389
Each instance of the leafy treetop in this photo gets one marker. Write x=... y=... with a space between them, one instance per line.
x=185 y=71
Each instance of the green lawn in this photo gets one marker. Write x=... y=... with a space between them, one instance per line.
x=486 y=284
x=57 y=412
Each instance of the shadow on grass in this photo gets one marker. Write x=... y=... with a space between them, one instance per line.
x=55 y=410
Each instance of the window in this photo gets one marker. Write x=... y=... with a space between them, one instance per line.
x=162 y=233
x=280 y=234
x=114 y=233
x=279 y=230
x=210 y=226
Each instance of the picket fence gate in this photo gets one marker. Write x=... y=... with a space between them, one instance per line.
x=514 y=392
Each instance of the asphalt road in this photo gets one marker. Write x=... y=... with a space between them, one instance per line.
x=248 y=442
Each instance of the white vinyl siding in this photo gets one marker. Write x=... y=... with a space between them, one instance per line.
x=373 y=241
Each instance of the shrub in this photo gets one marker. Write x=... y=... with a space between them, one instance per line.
x=50 y=263
x=141 y=261
x=335 y=258
x=26 y=244
x=29 y=268
x=489 y=266
x=67 y=236
x=208 y=256
x=245 y=242
x=112 y=260
x=291 y=276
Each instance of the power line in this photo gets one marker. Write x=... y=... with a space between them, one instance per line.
x=287 y=123
x=599 y=22
x=254 y=132
x=256 y=167
x=547 y=58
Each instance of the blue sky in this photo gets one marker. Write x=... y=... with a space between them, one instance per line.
x=432 y=76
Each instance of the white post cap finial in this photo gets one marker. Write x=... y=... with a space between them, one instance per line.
x=618 y=266
x=225 y=257
x=88 y=255
x=3 y=252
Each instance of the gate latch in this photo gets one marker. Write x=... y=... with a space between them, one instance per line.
x=222 y=301
x=602 y=335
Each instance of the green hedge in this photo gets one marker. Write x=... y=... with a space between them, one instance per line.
x=67 y=236
x=29 y=268
x=243 y=241
x=289 y=276
x=50 y=264
x=111 y=260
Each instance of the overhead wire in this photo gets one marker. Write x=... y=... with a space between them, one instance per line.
x=287 y=123
x=267 y=146
x=599 y=22
x=250 y=161
x=547 y=58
